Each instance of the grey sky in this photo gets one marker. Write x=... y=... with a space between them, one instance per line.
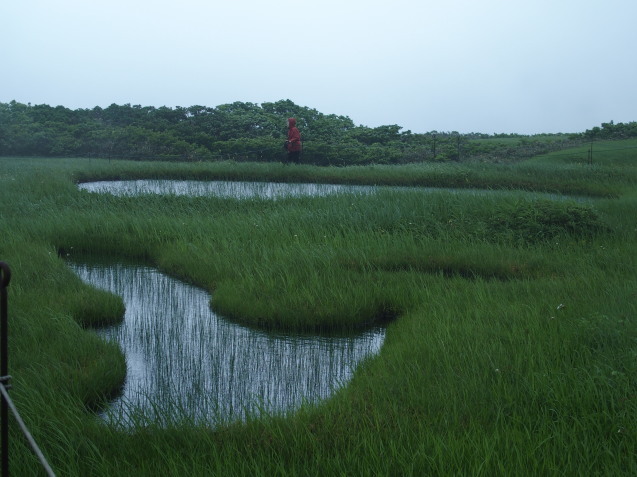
x=466 y=65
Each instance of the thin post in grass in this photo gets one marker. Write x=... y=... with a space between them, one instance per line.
x=6 y=403
x=5 y=278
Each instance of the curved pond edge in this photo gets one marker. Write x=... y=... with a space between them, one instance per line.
x=185 y=363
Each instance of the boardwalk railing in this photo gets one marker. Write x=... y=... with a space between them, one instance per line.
x=6 y=403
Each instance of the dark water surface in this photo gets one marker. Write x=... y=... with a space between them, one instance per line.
x=183 y=360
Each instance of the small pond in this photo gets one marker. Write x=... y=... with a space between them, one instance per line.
x=225 y=189
x=185 y=361
x=277 y=190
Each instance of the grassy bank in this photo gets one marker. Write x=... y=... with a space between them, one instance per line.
x=511 y=348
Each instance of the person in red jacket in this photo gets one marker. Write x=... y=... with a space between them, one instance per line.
x=294 y=142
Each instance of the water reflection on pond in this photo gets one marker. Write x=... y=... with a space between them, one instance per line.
x=277 y=190
x=184 y=360
x=233 y=189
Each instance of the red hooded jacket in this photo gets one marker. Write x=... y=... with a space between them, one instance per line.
x=294 y=137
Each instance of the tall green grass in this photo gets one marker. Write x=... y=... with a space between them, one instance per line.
x=511 y=350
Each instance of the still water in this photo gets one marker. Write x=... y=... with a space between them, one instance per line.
x=277 y=190
x=185 y=361
x=232 y=189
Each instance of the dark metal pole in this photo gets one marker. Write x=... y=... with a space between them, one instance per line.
x=5 y=278
x=6 y=403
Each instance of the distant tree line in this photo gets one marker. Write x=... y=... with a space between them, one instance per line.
x=612 y=131
x=244 y=132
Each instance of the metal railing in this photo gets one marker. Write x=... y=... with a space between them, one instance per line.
x=6 y=403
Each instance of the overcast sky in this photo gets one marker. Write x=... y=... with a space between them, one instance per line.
x=486 y=66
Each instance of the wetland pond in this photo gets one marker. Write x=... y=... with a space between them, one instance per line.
x=276 y=190
x=227 y=189
x=185 y=361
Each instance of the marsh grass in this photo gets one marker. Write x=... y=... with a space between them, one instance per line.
x=511 y=351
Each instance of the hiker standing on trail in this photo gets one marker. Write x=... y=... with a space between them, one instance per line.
x=294 y=142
